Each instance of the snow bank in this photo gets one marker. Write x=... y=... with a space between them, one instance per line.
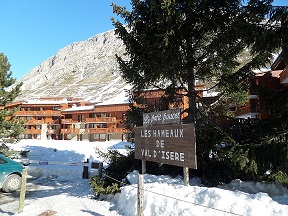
x=59 y=186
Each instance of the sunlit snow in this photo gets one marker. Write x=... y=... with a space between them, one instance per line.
x=59 y=187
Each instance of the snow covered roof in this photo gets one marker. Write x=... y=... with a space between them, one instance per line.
x=78 y=108
x=45 y=101
x=275 y=73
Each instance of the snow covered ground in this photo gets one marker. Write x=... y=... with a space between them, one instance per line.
x=59 y=187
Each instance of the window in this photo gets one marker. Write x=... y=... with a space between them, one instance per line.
x=81 y=118
x=91 y=125
x=103 y=136
x=103 y=114
x=96 y=136
x=102 y=125
x=2 y=161
x=21 y=136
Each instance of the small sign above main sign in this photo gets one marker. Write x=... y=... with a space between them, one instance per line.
x=162 y=117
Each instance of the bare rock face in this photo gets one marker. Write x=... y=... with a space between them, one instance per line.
x=86 y=69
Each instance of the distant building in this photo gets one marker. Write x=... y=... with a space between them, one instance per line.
x=71 y=119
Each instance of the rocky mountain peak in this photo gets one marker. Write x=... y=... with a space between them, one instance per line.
x=86 y=69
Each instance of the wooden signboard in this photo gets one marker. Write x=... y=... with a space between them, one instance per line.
x=170 y=144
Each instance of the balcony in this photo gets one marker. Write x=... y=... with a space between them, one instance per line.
x=40 y=122
x=33 y=131
x=70 y=131
x=51 y=121
x=34 y=122
x=67 y=121
x=53 y=131
x=104 y=130
x=101 y=120
x=38 y=113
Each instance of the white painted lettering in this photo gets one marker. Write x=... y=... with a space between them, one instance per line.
x=154 y=153
x=163 y=154
x=167 y=156
x=160 y=143
x=181 y=132
x=172 y=155
x=176 y=156
x=182 y=157
x=147 y=153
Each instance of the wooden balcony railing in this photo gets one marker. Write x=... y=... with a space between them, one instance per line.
x=39 y=122
x=38 y=113
x=104 y=130
x=91 y=120
x=33 y=131
x=34 y=122
x=51 y=121
x=53 y=131
x=70 y=131
x=101 y=120
x=93 y=130
x=67 y=121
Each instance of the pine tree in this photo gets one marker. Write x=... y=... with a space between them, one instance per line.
x=172 y=44
x=178 y=42
x=10 y=127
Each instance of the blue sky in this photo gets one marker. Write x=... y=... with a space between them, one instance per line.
x=34 y=30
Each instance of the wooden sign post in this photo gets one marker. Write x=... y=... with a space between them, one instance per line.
x=22 y=190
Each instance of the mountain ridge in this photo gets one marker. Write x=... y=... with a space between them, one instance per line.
x=86 y=69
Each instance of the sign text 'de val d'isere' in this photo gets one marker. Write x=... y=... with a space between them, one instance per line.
x=169 y=144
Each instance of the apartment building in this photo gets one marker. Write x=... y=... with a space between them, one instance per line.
x=252 y=109
x=70 y=119
x=97 y=122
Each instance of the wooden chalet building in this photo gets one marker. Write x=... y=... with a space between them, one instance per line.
x=276 y=78
x=252 y=109
x=71 y=119
x=97 y=122
x=281 y=64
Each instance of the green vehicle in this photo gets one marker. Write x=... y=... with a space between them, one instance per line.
x=10 y=174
